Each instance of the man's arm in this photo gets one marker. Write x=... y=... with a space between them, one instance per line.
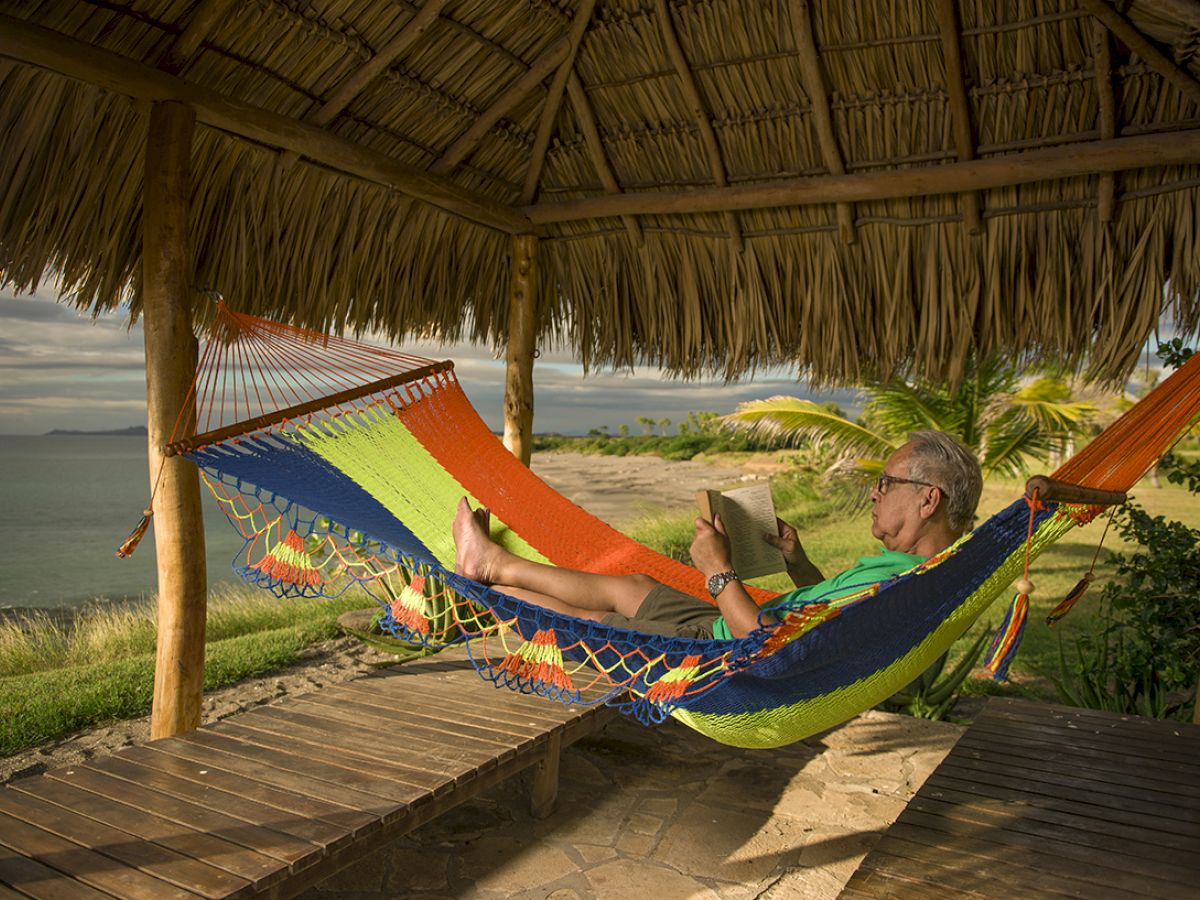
x=710 y=554
x=799 y=567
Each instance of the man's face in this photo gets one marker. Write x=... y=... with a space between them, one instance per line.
x=896 y=516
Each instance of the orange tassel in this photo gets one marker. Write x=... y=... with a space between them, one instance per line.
x=135 y=536
x=1071 y=599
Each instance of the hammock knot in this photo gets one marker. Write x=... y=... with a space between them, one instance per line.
x=675 y=682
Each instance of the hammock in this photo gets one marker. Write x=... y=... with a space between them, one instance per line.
x=357 y=489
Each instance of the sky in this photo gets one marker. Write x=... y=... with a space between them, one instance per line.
x=62 y=369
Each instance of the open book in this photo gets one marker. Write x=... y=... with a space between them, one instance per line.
x=747 y=514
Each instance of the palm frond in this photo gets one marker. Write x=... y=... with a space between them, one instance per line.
x=800 y=421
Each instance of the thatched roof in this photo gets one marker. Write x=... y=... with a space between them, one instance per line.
x=717 y=184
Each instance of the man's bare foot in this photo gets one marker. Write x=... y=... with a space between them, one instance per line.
x=473 y=547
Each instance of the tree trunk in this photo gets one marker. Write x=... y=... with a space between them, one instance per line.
x=522 y=335
x=170 y=369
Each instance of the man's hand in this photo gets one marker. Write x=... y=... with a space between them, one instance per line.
x=799 y=566
x=710 y=547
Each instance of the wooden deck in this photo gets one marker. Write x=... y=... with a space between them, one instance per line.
x=276 y=799
x=1049 y=801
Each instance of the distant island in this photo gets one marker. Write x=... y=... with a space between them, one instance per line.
x=131 y=431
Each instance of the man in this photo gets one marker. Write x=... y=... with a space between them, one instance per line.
x=922 y=502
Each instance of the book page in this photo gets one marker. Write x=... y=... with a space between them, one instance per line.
x=747 y=514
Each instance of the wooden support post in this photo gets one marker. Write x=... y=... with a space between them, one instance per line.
x=545 y=779
x=170 y=368
x=522 y=336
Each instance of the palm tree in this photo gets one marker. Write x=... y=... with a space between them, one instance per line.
x=1006 y=423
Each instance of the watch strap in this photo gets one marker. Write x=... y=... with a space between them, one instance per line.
x=717 y=582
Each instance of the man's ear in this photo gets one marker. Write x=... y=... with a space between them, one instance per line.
x=931 y=502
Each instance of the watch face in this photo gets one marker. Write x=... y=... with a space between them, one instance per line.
x=717 y=582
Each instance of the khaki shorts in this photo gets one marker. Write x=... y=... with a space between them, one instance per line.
x=669 y=612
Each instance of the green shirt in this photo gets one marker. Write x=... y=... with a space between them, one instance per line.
x=867 y=571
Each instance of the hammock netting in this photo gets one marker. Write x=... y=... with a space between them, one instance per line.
x=358 y=491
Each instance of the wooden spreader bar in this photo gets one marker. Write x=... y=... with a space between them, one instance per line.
x=1061 y=492
x=177 y=448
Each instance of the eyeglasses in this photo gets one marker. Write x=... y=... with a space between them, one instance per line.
x=885 y=481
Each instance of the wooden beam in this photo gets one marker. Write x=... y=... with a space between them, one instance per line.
x=1151 y=55
x=354 y=84
x=72 y=58
x=698 y=109
x=522 y=346
x=537 y=155
x=960 y=106
x=813 y=74
x=170 y=370
x=207 y=14
x=465 y=145
x=1044 y=164
x=1106 y=187
x=595 y=149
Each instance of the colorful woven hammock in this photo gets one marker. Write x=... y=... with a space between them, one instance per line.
x=358 y=490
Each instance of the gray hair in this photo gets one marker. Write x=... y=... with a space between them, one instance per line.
x=941 y=459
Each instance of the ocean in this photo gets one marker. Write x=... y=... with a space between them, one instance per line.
x=68 y=502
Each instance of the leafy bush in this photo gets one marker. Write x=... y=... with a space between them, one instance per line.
x=1143 y=656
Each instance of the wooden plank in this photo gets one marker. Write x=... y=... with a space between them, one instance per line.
x=171 y=874
x=1063 y=857
x=1077 y=716
x=385 y=720
x=37 y=880
x=1141 y=748
x=311 y=761
x=547 y=714
x=296 y=773
x=1112 y=784
x=461 y=707
x=1005 y=823
x=903 y=860
x=868 y=884
x=357 y=804
x=1011 y=789
x=340 y=823
x=265 y=842
x=1102 y=794
x=83 y=863
x=256 y=868
x=1043 y=863
x=1016 y=750
x=301 y=837
x=411 y=760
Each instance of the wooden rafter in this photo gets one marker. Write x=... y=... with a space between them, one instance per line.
x=1151 y=55
x=1106 y=187
x=541 y=141
x=353 y=85
x=698 y=108
x=813 y=75
x=465 y=145
x=57 y=52
x=357 y=81
x=595 y=149
x=960 y=107
x=1069 y=160
x=184 y=47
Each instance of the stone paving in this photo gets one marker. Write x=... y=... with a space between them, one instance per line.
x=663 y=813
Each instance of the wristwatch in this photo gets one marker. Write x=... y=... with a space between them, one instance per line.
x=717 y=582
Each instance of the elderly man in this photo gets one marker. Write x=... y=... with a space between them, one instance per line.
x=922 y=502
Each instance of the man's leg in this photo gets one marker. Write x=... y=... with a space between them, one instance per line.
x=477 y=557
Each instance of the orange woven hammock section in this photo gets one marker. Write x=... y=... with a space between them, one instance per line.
x=1129 y=447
